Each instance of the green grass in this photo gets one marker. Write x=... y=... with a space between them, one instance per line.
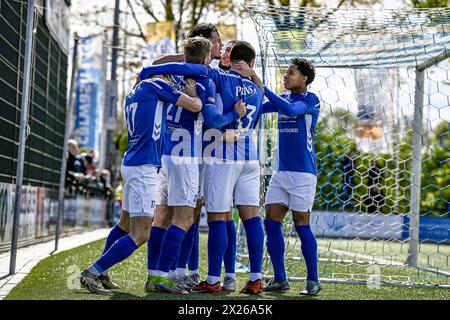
x=53 y=278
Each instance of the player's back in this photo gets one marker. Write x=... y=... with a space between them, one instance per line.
x=184 y=126
x=145 y=114
x=231 y=88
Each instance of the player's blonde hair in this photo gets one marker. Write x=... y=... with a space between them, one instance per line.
x=196 y=49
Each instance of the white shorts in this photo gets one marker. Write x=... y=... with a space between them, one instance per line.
x=179 y=182
x=201 y=189
x=162 y=187
x=139 y=191
x=228 y=181
x=295 y=190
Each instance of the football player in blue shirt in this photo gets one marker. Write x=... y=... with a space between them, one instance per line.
x=233 y=172
x=190 y=247
x=293 y=186
x=182 y=152
x=145 y=112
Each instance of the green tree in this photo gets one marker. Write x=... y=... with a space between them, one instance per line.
x=429 y=3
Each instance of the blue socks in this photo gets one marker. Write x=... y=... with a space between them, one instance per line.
x=154 y=247
x=275 y=247
x=115 y=234
x=255 y=243
x=309 y=250
x=170 y=248
x=217 y=245
x=193 y=258
x=119 y=251
x=186 y=247
x=229 y=259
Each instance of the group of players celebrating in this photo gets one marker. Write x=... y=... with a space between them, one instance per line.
x=190 y=143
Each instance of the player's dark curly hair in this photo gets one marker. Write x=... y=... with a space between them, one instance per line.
x=242 y=50
x=204 y=30
x=306 y=68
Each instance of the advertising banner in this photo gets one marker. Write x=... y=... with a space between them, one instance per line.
x=160 y=38
x=89 y=91
x=356 y=225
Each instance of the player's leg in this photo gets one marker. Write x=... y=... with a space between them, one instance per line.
x=121 y=229
x=301 y=202
x=219 y=182
x=163 y=216
x=277 y=205
x=309 y=251
x=189 y=247
x=255 y=244
x=140 y=202
x=229 y=260
x=194 y=275
x=246 y=197
x=123 y=226
x=119 y=251
x=275 y=246
x=170 y=248
x=183 y=182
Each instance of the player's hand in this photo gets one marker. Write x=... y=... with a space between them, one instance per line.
x=190 y=88
x=243 y=69
x=240 y=108
x=230 y=135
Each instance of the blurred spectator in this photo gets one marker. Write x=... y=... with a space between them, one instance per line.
x=74 y=168
x=88 y=163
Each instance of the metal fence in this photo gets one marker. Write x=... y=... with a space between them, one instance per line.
x=47 y=100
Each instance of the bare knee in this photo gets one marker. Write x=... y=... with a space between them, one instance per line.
x=276 y=212
x=140 y=229
x=183 y=218
x=217 y=216
x=162 y=217
x=301 y=218
x=248 y=212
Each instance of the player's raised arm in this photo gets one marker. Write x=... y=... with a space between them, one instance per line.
x=175 y=68
x=268 y=107
x=190 y=99
x=244 y=70
x=291 y=108
x=178 y=57
x=215 y=119
x=168 y=93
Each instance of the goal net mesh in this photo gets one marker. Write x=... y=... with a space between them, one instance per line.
x=382 y=141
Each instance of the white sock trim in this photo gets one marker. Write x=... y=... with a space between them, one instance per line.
x=231 y=275
x=213 y=279
x=92 y=269
x=254 y=276
x=153 y=272
x=181 y=272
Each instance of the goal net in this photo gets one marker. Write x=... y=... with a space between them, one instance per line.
x=382 y=141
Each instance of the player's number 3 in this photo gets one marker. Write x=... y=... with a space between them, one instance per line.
x=249 y=117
